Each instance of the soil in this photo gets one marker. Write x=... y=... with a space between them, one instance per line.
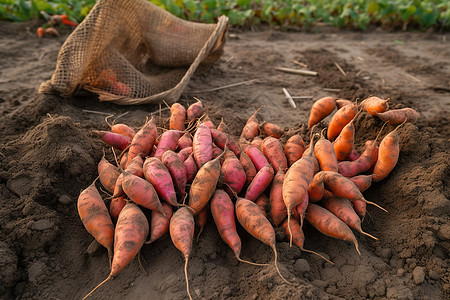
x=48 y=155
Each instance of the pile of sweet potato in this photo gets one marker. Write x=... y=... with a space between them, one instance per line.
x=194 y=168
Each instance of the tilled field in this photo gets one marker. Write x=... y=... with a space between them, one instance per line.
x=48 y=155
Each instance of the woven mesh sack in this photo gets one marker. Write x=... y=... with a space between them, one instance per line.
x=133 y=52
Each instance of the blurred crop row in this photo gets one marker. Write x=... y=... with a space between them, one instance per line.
x=362 y=14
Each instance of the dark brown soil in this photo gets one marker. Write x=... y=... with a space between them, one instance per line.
x=48 y=155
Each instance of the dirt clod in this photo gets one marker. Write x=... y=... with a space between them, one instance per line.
x=419 y=275
x=302 y=265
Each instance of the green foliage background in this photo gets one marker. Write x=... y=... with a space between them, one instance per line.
x=362 y=14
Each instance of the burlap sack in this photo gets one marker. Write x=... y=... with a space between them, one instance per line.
x=133 y=52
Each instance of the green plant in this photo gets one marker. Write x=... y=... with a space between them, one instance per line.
x=23 y=10
x=421 y=14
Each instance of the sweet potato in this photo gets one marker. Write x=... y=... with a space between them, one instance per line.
x=177 y=171
x=274 y=152
x=256 y=142
x=204 y=185
x=184 y=141
x=119 y=197
x=388 y=154
x=108 y=174
x=362 y=182
x=316 y=188
x=374 y=105
x=202 y=145
x=95 y=217
x=222 y=126
x=343 y=209
x=116 y=206
x=129 y=236
x=123 y=160
x=251 y=128
x=191 y=168
x=168 y=141
x=115 y=140
x=200 y=220
x=340 y=186
x=141 y=192
x=257 y=157
x=131 y=231
x=360 y=208
x=234 y=173
x=184 y=153
x=143 y=141
x=260 y=183
x=217 y=152
x=177 y=117
x=121 y=128
x=263 y=202
x=321 y=109
x=360 y=165
x=342 y=102
x=354 y=155
x=294 y=148
x=301 y=209
x=374 y=160
x=221 y=139
x=296 y=182
x=330 y=225
x=194 y=111
x=270 y=129
x=343 y=144
x=399 y=116
x=253 y=221
x=325 y=154
x=341 y=118
x=313 y=158
x=277 y=207
x=158 y=175
x=51 y=31
x=249 y=167
x=135 y=168
x=205 y=120
x=222 y=210
x=159 y=224
x=181 y=228
x=40 y=32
